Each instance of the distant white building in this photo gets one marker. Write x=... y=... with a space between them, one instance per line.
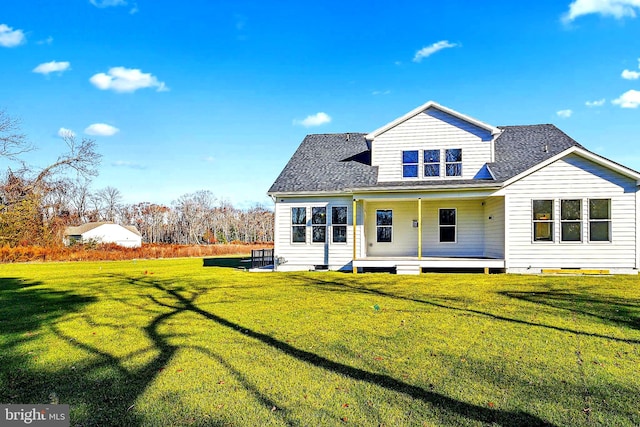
x=104 y=232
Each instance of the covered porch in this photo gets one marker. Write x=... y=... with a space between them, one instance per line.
x=430 y=231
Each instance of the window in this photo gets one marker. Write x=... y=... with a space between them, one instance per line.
x=600 y=220
x=431 y=162
x=298 y=225
x=410 y=164
x=571 y=220
x=339 y=224
x=543 y=220
x=447 y=222
x=384 y=223
x=453 y=162
x=319 y=224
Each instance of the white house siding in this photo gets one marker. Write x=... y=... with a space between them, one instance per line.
x=469 y=229
x=113 y=233
x=305 y=256
x=571 y=178
x=494 y=227
x=431 y=129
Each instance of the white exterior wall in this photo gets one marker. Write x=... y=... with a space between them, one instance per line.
x=494 y=232
x=305 y=256
x=113 y=233
x=572 y=177
x=469 y=229
x=430 y=130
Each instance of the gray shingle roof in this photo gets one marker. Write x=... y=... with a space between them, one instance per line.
x=337 y=162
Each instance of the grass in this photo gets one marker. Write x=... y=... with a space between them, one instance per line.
x=168 y=342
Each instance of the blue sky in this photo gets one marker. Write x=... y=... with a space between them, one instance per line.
x=217 y=95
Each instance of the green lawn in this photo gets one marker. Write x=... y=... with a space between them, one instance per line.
x=170 y=342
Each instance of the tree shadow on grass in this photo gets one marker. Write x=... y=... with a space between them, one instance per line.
x=604 y=305
x=467 y=410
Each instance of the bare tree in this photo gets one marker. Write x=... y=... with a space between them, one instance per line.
x=110 y=198
x=13 y=143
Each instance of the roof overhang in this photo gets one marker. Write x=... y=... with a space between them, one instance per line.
x=431 y=104
x=602 y=161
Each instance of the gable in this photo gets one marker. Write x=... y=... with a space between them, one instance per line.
x=429 y=130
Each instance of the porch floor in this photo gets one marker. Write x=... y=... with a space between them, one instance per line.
x=429 y=262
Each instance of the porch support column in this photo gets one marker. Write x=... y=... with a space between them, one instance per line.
x=354 y=214
x=419 y=228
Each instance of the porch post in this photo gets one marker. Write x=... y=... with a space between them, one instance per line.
x=419 y=228
x=354 y=213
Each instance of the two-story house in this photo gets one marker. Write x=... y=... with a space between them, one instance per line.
x=436 y=189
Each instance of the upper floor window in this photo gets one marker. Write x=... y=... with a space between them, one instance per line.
x=339 y=224
x=410 y=164
x=319 y=224
x=600 y=220
x=298 y=225
x=431 y=163
x=453 y=162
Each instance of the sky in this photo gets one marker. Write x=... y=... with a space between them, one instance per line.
x=217 y=95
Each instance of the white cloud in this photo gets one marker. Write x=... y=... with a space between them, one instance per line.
x=616 y=8
x=10 y=37
x=430 y=50
x=53 y=66
x=122 y=79
x=48 y=40
x=209 y=159
x=598 y=103
x=629 y=99
x=66 y=133
x=565 y=114
x=630 y=75
x=314 y=120
x=101 y=129
x=380 y=92
x=108 y=3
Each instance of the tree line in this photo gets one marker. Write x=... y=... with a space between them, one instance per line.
x=36 y=204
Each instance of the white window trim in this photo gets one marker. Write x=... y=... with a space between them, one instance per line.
x=568 y=221
x=325 y=225
x=439 y=163
x=345 y=225
x=589 y=220
x=291 y=225
x=402 y=164
x=386 y=226
x=543 y=221
x=455 y=226
x=444 y=160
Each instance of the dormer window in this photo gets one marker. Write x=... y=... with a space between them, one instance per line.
x=410 y=164
x=453 y=162
x=431 y=163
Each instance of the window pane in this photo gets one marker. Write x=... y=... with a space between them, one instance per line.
x=454 y=169
x=599 y=231
x=410 y=156
x=432 y=156
x=319 y=234
x=447 y=234
x=410 y=171
x=319 y=215
x=571 y=232
x=384 y=234
x=454 y=155
x=599 y=209
x=570 y=209
x=298 y=215
x=447 y=217
x=339 y=215
x=298 y=234
x=384 y=217
x=543 y=231
x=432 y=170
x=339 y=234
x=543 y=209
